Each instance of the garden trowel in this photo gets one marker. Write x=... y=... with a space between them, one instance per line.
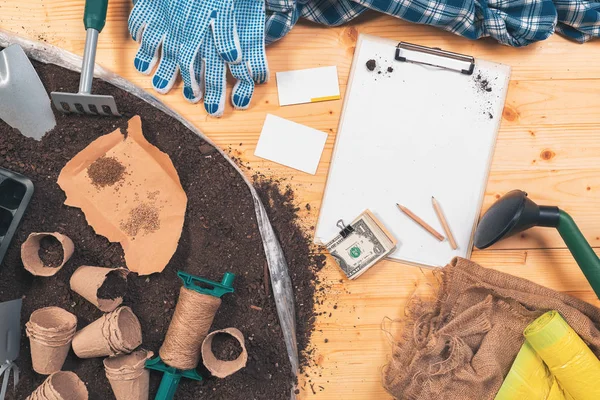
x=94 y=18
x=10 y=341
x=24 y=103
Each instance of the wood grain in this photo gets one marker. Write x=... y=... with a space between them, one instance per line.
x=548 y=145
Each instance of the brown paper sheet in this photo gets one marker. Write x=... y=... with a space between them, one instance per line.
x=144 y=209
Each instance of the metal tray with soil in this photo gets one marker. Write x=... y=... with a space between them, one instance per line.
x=220 y=234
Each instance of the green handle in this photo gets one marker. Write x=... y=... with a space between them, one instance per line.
x=581 y=250
x=168 y=386
x=206 y=286
x=170 y=379
x=94 y=14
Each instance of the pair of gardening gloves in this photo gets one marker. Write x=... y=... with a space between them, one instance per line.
x=201 y=39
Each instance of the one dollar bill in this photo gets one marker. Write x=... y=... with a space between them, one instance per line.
x=362 y=246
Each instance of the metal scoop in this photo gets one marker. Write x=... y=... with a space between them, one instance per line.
x=94 y=18
x=10 y=342
x=24 y=103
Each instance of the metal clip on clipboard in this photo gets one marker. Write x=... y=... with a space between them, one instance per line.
x=435 y=57
x=346 y=230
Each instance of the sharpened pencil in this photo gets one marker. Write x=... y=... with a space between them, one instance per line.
x=422 y=223
x=444 y=222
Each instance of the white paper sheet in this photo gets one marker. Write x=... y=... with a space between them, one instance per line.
x=291 y=144
x=407 y=134
x=308 y=85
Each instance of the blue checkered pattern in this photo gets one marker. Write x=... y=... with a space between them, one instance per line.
x=181 y=27
x=148 y=20
x=578 y=19
x=282 y=15
x=511 y=22
x=250 y=16
x=210 y=68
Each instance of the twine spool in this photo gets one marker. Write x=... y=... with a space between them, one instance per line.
x=189 y=327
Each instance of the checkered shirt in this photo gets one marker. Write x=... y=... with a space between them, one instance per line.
x=511 y=22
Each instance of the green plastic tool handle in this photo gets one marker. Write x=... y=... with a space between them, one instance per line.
x=206 y=286
x=171 y=377
x=168 y=386
x=94 y=14
x=581 y=250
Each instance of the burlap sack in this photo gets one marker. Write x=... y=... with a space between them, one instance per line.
x=462 y=345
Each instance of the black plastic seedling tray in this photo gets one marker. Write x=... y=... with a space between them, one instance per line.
x=15 y=194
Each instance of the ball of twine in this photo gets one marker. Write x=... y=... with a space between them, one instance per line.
x=189 y=327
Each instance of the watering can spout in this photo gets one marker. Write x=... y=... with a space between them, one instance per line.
x=515 y=212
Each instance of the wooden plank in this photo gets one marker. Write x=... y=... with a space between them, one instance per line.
x=547 y=147
x=348 y=365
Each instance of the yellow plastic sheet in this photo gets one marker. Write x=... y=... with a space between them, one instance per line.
x=530 y=379
x=567 y=357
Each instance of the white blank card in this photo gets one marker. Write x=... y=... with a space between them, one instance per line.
x=291 y=144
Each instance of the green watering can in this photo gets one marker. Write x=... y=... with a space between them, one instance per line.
x=172 y=376
x=515 y=212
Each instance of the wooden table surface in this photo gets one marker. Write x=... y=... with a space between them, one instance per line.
x=549 y=146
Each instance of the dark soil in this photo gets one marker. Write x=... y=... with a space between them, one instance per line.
x=51 y=252
x=371 y=64
x=225 y=347
x=114 y=286
x=220 y=234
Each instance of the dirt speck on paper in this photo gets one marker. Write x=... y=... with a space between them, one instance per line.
x=390 y=69
x=114 y=286
x=50 y=252
x=225 y=347
x=371 y=65
x=143 y=218
x=106 y=171
x=482 y=83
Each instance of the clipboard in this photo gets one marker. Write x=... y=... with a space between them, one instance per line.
x=422 y=123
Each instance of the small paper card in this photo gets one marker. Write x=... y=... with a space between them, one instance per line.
x=308 y=85
x=291 y=144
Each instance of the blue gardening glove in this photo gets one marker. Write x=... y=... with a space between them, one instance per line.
x=148 y=21
x=182 y=27
x=250 y=16
x=211 y=69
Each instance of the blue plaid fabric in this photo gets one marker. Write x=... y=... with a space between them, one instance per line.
x=282 y=15
x=511 y=22
x=578 y=20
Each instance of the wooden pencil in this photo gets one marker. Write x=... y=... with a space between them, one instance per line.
x=422 y=223
x=444 y=222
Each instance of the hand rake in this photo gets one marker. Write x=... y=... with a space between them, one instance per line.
x=84 y=101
